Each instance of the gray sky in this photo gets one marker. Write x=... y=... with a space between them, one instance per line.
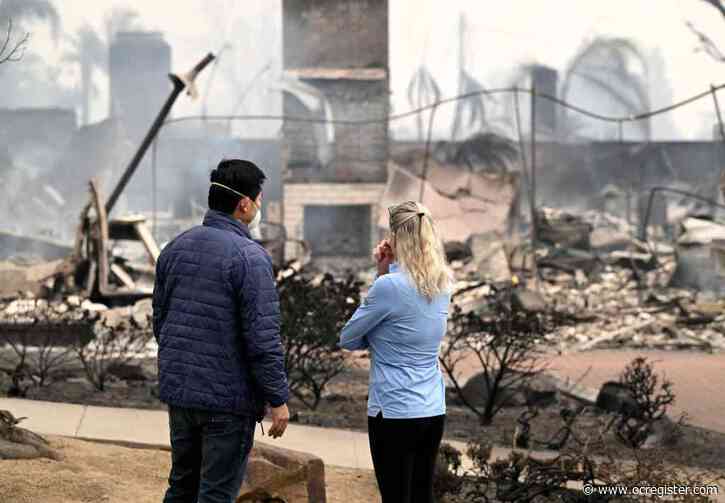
x=501 y=36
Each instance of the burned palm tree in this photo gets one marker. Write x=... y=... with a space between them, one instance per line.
x=473 y=105
x=707 y=45
x=423 y=90
x=607 y=67
x=484 y=148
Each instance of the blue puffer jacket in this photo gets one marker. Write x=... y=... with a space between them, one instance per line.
x=216 y=319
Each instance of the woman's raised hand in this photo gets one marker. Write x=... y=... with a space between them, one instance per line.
x=384 y=256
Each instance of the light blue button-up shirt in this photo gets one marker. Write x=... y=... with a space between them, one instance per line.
x=403 y=331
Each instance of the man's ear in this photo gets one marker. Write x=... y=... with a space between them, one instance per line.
x=239 y=209
x=244 y=204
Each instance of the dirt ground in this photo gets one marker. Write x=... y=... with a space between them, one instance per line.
x=344 y=405
x=102 y=473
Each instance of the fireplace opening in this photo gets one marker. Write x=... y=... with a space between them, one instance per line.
x=338 y=231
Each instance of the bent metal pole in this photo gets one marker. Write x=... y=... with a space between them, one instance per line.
x=179 y=83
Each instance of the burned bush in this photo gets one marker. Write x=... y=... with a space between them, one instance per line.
x=19 y=371
x=40 y=335
x=504 y=341
x=447 y=476
x=525 y=476
x=117 y=341
x=314 y=310
x=651 y=400
x=38 y=360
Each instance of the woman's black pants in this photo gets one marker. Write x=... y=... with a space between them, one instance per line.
x=404 y=456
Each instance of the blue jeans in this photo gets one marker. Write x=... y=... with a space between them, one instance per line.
x=209 y=452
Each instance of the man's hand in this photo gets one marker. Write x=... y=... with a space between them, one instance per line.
x=384 y=256
x=280 y=418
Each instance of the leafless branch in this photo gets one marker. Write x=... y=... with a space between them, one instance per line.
x=16 y=51
x=706 y=44
x=503 y=343
x=111 y=346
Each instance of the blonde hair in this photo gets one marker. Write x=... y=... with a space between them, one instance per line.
x=418 y=248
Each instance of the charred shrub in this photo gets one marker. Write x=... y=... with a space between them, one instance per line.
x=447 y=478
x=504 y=341
x=314 y=310
x=113 y=345
x=651 y=398
x=526 y=476
x=40 y=350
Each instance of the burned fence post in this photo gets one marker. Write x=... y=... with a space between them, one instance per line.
x=101 y=238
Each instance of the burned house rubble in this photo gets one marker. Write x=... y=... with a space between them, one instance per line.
x=607 y=288
x=624 y=246
x=649 y=277
x=32 y=142
x=579 y=207
x=45 y=145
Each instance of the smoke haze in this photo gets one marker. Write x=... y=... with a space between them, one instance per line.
x=500 y=37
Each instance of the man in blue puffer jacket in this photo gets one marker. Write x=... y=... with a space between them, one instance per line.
x=216 y=320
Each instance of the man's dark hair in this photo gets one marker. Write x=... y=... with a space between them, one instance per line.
x=243 y=176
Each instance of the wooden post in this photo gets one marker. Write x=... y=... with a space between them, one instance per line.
x=101 y=236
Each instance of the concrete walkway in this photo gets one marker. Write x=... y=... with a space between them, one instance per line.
x=151 y=427
x=698 y=378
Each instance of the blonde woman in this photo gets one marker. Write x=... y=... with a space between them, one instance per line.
x=402 y=322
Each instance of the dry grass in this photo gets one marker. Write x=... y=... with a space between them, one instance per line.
x=102 y=473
